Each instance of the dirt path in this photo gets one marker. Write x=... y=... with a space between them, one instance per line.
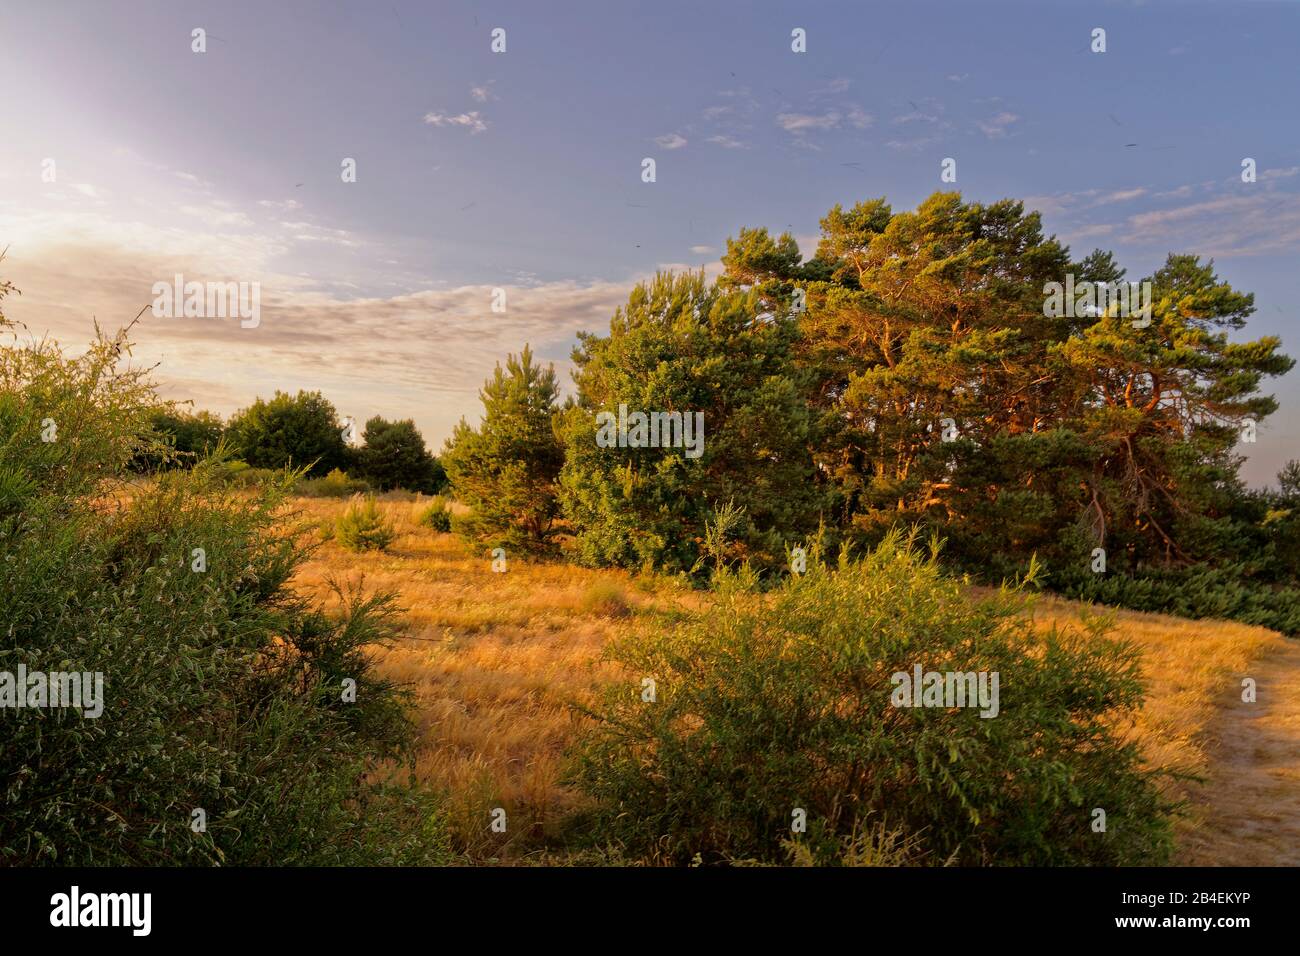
x=1249 y=807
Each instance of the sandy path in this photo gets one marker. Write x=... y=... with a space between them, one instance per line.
x=1250 y=805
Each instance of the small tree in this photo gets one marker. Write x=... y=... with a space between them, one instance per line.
x=363 y=527
x=394 y=456
x=506 y=469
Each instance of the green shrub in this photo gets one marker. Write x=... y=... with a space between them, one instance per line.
x=1197 y=592
x=220 y=469
x=768 y=703
x=436 y=516
x=337 y=484
x=222 y=689
x=363 y=527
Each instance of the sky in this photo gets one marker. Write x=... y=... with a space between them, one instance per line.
x=522 y=170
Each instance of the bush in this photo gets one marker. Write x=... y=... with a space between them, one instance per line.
x=768 y=703
x=221 y=687
x=436 y=516
x=336 y=484
x=605 y=598
x=363 y=527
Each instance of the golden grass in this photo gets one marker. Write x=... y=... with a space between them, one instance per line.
x=495 y=659
x=1193 y=672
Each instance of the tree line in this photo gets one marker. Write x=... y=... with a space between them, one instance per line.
x=909 y=374
x=300 y=432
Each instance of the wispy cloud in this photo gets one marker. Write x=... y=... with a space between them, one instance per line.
x=1119 y=195
x=471 y=121
x=1226 y=218
x=835 y=86
x=802 y=122
x=726 y=142
x=671 y=141
x=996 y=126
x=859 y=118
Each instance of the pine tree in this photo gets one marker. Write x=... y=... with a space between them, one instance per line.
x=506 y=469
x=682 y=347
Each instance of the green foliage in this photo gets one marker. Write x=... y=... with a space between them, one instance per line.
x=506 y=469
x=1197 y=592
x=394 y=456
x=1064 y=432
x=186 y=437
x=363 y=527
x=770 y=702
x=436 y=516
x=682 y=346
x=289 y=431
x=222 y=688
x=336 y=484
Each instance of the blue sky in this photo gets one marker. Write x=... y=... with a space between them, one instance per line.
x=521 y=170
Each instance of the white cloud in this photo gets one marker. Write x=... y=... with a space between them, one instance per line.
x=860 y=119
x=727 y=142
x=801 y=122
x=1121 y=195
x=671 y=141
x=471 y=121
x=997 y=126
x=193 y=180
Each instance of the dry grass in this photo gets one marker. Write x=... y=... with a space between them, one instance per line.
x=1193 y=671
x=495 y=659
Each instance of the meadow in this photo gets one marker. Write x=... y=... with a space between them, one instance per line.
x=499 y=664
